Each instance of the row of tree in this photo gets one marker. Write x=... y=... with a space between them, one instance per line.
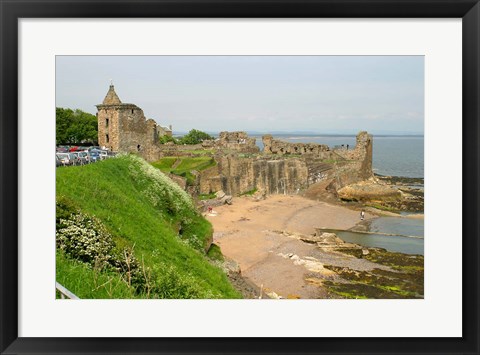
x=193 y=137
x=75 y=126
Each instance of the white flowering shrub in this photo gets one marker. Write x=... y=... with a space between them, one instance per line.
x=164 y=194
x=159 y=189
x=85 y=239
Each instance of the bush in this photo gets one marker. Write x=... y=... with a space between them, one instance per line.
x=194 y=137
x=167 y=139
x=86 y=239
x=171 y=284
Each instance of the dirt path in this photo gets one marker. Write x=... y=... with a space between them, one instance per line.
x=250 y=232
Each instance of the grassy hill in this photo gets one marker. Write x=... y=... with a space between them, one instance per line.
x=125 y=230
x=183 y=166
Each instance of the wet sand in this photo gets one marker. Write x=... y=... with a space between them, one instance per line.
x=251 y=233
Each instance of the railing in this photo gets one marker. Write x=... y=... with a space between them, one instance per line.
x=64 y=293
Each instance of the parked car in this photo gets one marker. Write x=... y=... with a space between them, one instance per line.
x=58 y=161
x=65 y=158
x=94 y=156
x=75 y=158
x=62 y=150
x=83 y=158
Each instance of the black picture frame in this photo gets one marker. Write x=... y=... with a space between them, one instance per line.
x=12 y=11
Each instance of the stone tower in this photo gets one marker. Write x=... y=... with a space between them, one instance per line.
x=123 y=127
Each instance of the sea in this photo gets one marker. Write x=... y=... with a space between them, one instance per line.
x=401 y=156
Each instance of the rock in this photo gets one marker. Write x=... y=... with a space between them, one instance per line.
x=259 y=195
x=323 y=238
x=365 y=252
x=329 y=238
x=232 y=267
x=369 y=191
x=274 y=295
x=220 y=194
x=226 y=199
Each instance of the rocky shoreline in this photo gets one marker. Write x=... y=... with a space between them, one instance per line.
x=394 y=194
x=279 y=250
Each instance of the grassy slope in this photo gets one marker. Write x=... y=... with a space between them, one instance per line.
x=141 y=207
x=84 y=282
x=185 y=166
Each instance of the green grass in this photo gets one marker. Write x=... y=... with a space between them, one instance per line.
x=202 y=151
x=207 y=196
x=165 y=163
x=144 y=209
x=185 y=166
x=215 y=253
x=85 y=282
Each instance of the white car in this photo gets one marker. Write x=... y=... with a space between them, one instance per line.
x=65 y=158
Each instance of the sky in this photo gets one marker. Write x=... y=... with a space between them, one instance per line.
x=314 y=94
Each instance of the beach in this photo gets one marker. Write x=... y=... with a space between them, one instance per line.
x=262 y=237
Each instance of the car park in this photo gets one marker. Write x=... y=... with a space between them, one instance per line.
x=82 y=156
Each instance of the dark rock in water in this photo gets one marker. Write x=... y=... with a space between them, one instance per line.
x=400 y=180
x=404 y=279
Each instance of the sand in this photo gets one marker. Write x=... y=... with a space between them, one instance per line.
x=250 y=232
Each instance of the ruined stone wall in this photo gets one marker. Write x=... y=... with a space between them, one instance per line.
x=134 y=130
x=362 y=154
x=238 y=141
x=236 y=175
x=275 y=146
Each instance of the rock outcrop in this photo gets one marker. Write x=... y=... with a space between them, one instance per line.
x=369 y=191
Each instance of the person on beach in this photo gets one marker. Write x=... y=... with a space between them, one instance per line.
x=362 y=215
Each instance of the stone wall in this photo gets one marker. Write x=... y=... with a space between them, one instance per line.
x=237 y=141
x=285 y=173
x=236 y=175
x=361 y=156
x=275 y=146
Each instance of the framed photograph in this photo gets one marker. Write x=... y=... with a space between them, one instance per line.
x=239 y=177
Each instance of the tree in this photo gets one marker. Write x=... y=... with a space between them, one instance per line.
x=166 y=139
x=75 y=126
x=194 y=137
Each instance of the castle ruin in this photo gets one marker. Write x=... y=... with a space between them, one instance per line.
x=123 y=127
x=281 y=167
